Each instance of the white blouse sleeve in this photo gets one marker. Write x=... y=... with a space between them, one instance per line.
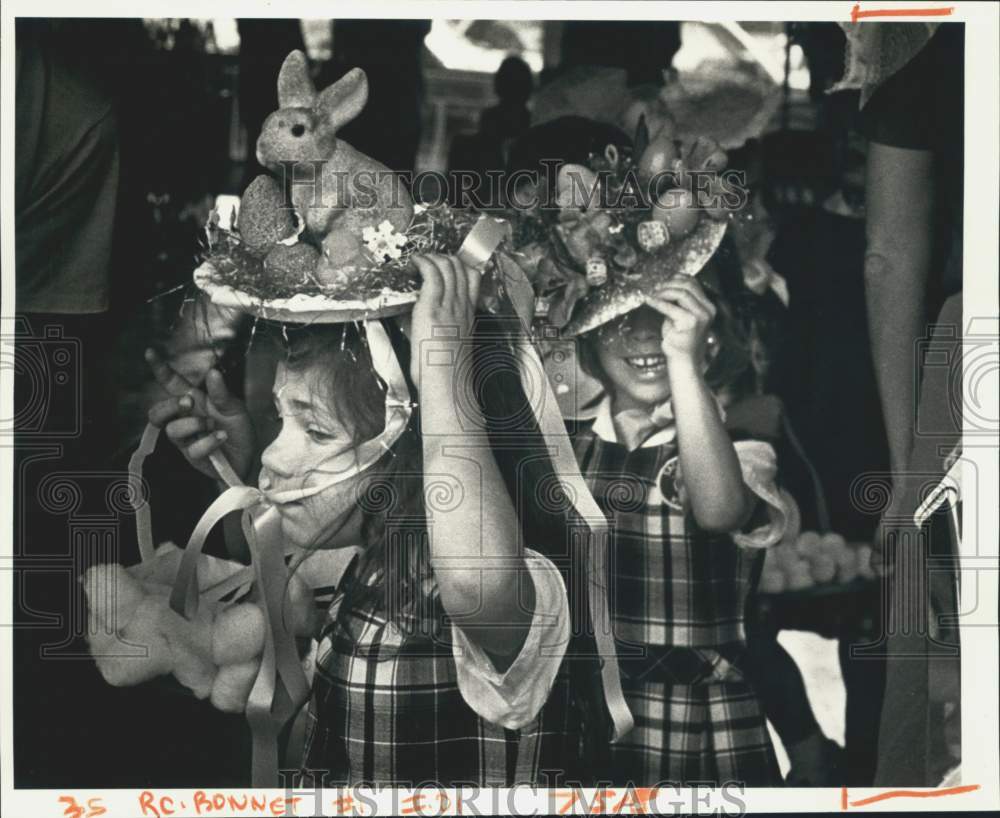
x=760 y=468
x=512 y=699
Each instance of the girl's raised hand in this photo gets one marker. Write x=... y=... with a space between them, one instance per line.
x=442 y=317
x=199 y=422
x=688 y=316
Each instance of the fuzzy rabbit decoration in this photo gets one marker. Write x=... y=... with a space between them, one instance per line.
x=135 y=636
x=338 y=190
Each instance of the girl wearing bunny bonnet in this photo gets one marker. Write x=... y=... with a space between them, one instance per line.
x=441 y=652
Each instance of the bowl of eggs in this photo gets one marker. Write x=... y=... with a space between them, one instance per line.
x=813 y=560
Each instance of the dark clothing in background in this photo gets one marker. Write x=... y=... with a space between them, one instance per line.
x=66 y=184
x=825 y=378
x=827 y=382
x=390 y=52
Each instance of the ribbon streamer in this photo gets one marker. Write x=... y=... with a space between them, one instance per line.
x=482 y=241
x=550 y=422
x=478 y=247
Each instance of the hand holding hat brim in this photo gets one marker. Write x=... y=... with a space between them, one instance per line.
x=624 y=293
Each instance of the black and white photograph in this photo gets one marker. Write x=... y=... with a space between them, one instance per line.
x=499 y=408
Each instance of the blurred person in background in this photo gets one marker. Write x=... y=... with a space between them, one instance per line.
x=913 y=112
x=500 y=125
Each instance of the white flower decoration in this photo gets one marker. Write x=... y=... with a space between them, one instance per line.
x=384 y=242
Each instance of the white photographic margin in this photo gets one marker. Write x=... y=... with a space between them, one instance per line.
x=980 y=655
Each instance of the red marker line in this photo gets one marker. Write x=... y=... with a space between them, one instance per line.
x=884 y=796
x=857 y=13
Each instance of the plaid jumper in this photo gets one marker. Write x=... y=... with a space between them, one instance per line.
x=387 y=710
x=678 y=594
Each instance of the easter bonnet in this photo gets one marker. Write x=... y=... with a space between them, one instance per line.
x=625 y=224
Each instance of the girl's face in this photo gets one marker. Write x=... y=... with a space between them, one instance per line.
x=630 y=354
x=312 y=448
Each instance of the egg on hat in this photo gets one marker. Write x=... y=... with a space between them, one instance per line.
x=264 y=218
x=677 y=210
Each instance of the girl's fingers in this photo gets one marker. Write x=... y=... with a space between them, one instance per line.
x=221 y=400
x=474 y=278
x=181 y=429
x=686 y=300
x=443 y=264
x=203 y=447
x=432 y=287
x=166 y=376
x=678 y=317
x=167 y=410
x=461 y=285
x=690 y=285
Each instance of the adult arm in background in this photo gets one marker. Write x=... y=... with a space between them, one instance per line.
x=900 y=196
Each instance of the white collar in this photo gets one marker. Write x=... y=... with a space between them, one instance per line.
x=604 y=427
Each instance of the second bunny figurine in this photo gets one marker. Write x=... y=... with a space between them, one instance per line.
x=338 y=190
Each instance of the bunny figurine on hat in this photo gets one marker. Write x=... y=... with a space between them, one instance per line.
x=353 y=192
x=327 y=235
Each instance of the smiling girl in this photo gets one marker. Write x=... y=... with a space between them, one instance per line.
x=445 y=636
x=690 y=511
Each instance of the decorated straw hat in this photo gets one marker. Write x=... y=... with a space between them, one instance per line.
x=326 y=236
x=623 y=225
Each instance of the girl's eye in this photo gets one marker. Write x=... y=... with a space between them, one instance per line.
x=319 y=436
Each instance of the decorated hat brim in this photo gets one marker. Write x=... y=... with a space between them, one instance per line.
x=624 y=293
x=302 y=308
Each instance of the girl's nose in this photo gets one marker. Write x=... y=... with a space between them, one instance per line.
x=277 y=458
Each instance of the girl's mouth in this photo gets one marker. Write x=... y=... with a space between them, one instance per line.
x=647 y=364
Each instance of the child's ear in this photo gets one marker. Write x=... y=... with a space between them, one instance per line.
x=342 y=101
x=295 y=88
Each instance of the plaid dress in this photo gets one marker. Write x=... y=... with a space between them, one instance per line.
x=677 y=600
x=387 y=710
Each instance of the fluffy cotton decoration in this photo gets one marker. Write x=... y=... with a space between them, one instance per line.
x=112 y=582
x=138 y=652
x=135 y=636
x=238 y=635
x=233 y=684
